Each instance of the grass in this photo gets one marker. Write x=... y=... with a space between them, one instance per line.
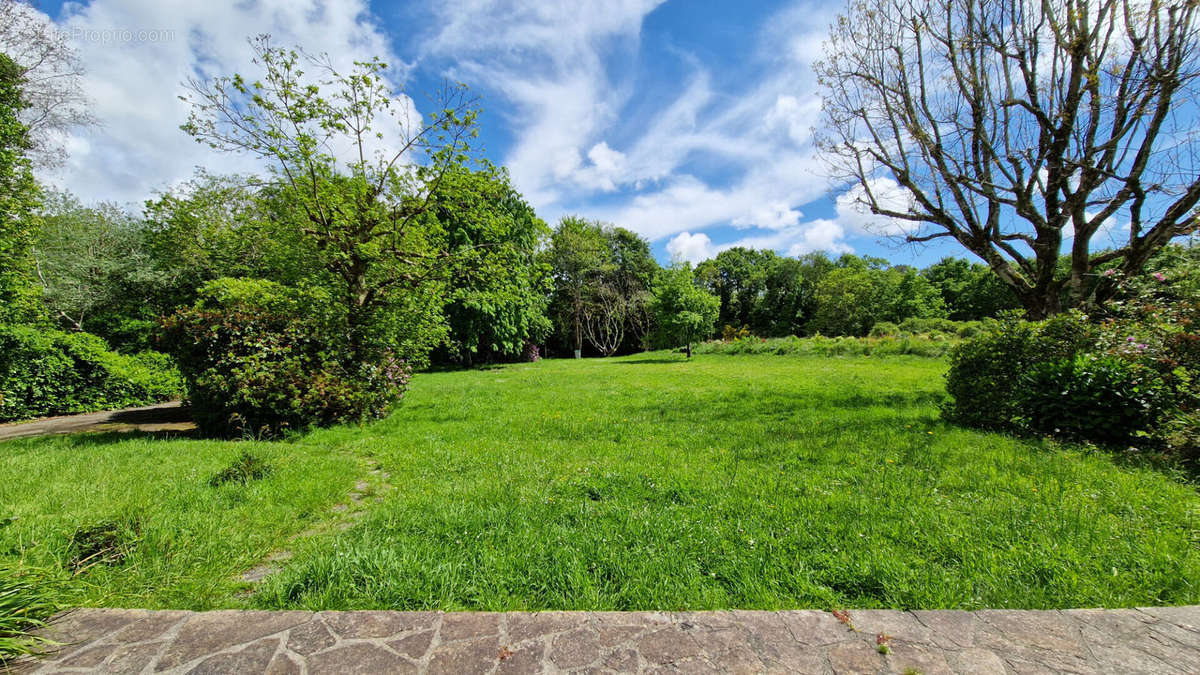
x=132 y=521
x=23 y=608
x=643 y=482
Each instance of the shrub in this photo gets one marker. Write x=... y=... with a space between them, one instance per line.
x=49 y=372
x=884 y=329
x=820 y=345
x=969 y=329
x=917 y=325
x=729 y=333
x=983 y=376
x=1180 y=434
x=986 y=372
x=261 y=359
x=1130 y=379
x=1092 y=397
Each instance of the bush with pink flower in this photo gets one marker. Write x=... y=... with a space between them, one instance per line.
x=1127 y=374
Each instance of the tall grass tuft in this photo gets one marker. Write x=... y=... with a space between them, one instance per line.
x=23 y=609
x=934 y=345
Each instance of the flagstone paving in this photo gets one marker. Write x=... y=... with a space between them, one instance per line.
x=1150 y=640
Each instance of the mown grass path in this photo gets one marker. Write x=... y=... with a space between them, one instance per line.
x=645 y=482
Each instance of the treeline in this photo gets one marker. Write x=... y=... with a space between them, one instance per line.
x=604 y=279
x=583 y=285
x=776 y=296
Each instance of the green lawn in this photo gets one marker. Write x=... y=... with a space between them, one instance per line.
x=634 y=483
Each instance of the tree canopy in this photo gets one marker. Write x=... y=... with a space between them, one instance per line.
x=362 y=206
x=684 y=311
x=18 y=199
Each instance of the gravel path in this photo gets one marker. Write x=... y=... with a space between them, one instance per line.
x=155 y=418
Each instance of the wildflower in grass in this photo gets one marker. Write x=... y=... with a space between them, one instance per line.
x=1159 y=276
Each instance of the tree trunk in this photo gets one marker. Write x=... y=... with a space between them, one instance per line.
x=1041 y=305
x=689 y=350
x=578 y=331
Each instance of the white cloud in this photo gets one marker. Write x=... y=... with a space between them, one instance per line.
x=820 y=235
x=817 y=235
x=134 y=80
x=761 y=198
x=771 y=215
x=691 y=247
x=581 y=147
x=1113 y=232
x=796 y=117
x=712 y=153
x=605 y=168
x=550 y=61
x=760 y=135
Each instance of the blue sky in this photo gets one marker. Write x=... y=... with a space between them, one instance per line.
x=688 y=121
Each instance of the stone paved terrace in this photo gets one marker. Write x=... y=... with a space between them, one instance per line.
x=1154 y=640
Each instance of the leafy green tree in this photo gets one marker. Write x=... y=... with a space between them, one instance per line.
x=970 y=291
x=579 y=256
x=863 y=291
x=91 y=263
x=498 y=293
x=788 y=299
x=633 y=275
x=769 y=294
x=813 y=268
x=362 y=207
x=738 y=276
x=905 y=294
x=216 y=226
x=603 y=277
x=685 y=312
x=18 y=200
x=847 y=302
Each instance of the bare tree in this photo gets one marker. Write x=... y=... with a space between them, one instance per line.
x=604 y=317
x=51 y=73
x=639 y=318
x=1025 y=130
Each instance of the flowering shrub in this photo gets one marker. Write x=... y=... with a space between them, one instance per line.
x=259 y=359
x=1156 y=323
x=1128 y=375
